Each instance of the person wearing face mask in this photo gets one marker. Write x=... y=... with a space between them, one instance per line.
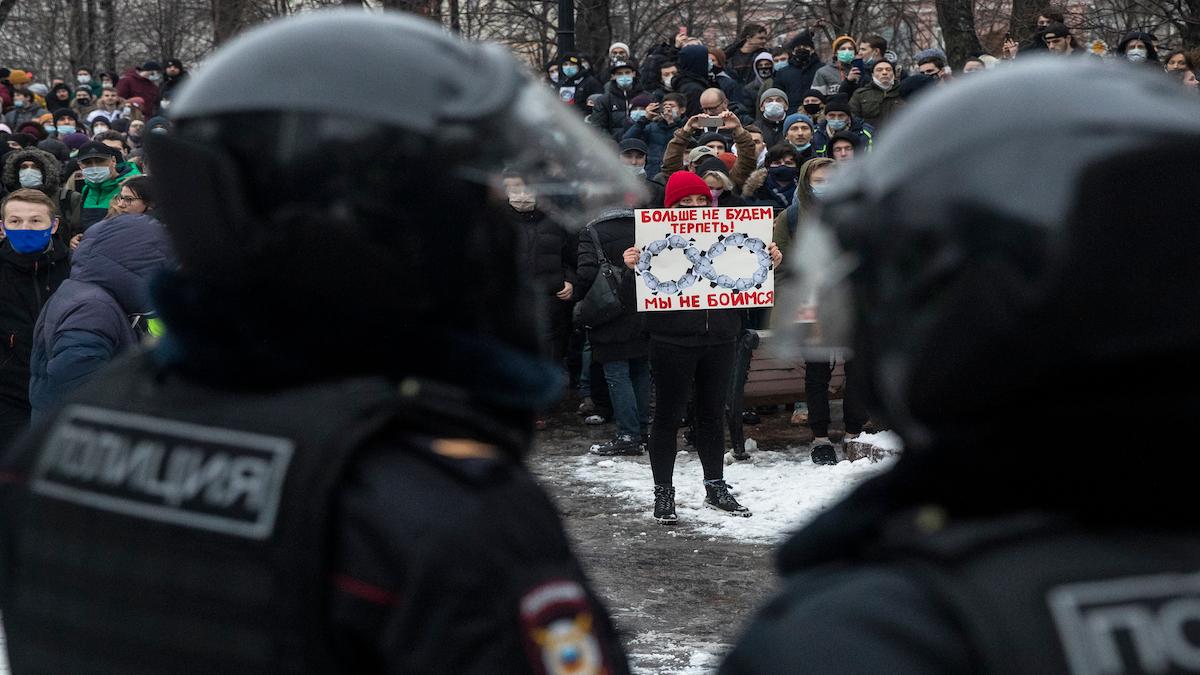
x=548 y=252
x=772 y=110
x=60 y=97
x=82 y=103
x=830 y=78
x=32 y=266
x=875 y=101
x=657 y=128
x=34 y=169
x=66 y=121
x=1138 y=47
x=798 y=133
x=173 y=76
x=25 y=109
x=840 y=121
x=611 y=113
x=142 y=82
x=813 y=105
x=634 y=153
x=764 y=77
x=575 y=83
x=803 y=64
x=103 y=173
x=86 y=79
x=775 y=183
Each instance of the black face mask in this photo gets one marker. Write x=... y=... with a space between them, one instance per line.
x=765 y=73
x=812 y=108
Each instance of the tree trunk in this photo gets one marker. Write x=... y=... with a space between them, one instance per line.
x=1189 y=26
x=455 y=17
x=109 y=10
x=6 y=7
x=1024 y=18
x=227 y=17
x=957 y=20
x=75 y=34
x=593 y=30
x=88 y=54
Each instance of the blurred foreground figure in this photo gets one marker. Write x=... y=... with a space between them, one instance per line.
x=997 y=280
x=318 y=469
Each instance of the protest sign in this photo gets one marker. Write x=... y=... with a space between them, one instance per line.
x=704 y=258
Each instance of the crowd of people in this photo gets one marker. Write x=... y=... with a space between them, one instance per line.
x=318 y=467
x=750 y=124
x=757 y=125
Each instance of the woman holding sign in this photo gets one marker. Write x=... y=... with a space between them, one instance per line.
x=689 y=346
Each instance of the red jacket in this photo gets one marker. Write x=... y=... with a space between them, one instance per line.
x=132 y=84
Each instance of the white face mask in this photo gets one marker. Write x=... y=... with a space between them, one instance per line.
x=1136 y=55
x=883 y=84
x=522 y=201
x=83 y=79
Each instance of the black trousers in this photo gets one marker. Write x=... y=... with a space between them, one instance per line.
x=816 y=393
x=676 y=369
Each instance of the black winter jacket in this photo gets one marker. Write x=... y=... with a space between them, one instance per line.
x=546 y=250
x=624 y=337
x=26 y=283
x=611 y=113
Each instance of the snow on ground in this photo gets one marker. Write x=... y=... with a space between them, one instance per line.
x=784 y=489
x=671 y=654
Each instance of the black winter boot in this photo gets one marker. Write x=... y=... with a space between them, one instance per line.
x=719 y=498
x=664 y=505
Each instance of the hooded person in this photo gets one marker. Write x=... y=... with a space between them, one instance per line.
x=39 y=170
x=102 y=310
x=1138 y=47
x=142 y=82
x=774 y=184
x=60 y=96
x=717 y=77
x=772 y=110
x=692 y=78
x=576 y=83
x=56 y=148
x=763 y=68
x=830 y=78
x=803 y=64
x=173 y=75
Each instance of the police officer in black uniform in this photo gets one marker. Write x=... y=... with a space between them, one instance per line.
x=1011 y=274
x=319 y=468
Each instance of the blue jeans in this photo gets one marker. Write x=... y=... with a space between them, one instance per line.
x=629 y=387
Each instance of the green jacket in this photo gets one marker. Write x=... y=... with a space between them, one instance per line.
x=96 y=198
x=873 y=104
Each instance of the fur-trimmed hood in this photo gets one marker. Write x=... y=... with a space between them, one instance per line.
x=51 y=169
x=754 y=181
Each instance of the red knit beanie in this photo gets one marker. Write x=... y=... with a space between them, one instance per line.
x=682 y=184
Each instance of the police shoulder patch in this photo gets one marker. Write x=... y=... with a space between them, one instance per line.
x=184 y=474
x=561 y=630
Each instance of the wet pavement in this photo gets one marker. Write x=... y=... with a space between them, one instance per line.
x=679 y=596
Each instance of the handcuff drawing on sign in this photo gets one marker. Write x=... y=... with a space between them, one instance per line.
x=702 y=263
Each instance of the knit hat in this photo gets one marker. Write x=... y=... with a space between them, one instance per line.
x=39 y=89
x=838 y=106
x=814 y=94
x=711 y=136
x=697 y=153
x=19 y=78
x=75 y=141
x=641 y=101
x=843 y=38
x=1054 y=30
x=926 y=53
x=773 y=91
x=150 y=65
x=65 y=112
x=797 y=117
x=634 y=144
x=804 y=38
x=711 y=164
x=682 y=184
x=729 y=159
x=622 y=45
x=137 y=102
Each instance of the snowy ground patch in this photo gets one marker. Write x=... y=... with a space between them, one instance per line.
x=672 y=654
x=784 y=489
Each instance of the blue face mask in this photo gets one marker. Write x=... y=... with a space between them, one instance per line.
x=96 y=174
x=836 y=125
x=18 y=104
x=802 y=148
x=624 y=81
x=817 y=189
x=29 y=241
x=780 y=65
x=637 y=115
x=65 y=129
x=49 y=128
x=570 y=71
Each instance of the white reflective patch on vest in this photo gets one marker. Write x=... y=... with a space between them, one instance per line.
x=1133 y=625
x=190 y=475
